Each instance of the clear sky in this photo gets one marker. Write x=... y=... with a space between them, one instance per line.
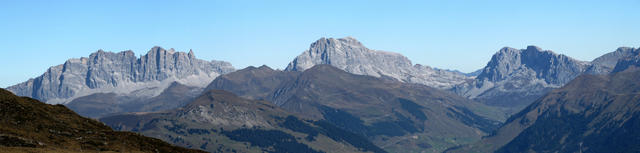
x=451 y=34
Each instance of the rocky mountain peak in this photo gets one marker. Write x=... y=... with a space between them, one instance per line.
x=351 y=55
x=334 y=43
x=191 y=54
x=104 y=72
x=553 y=68
x=514 y=78
x=607 y=62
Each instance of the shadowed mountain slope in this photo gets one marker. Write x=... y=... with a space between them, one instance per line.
x=400 y=117
x=592 y=113
x=28 y=125
x=219 y=121
x=103 y=104
x=514 y=78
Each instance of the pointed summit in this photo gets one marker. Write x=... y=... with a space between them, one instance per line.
x=191 y=54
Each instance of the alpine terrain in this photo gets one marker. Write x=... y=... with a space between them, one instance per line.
x=514 y=78
x=397 y=116
x=120 y=73
x=220 y=121
x=28 y=125
x=592 y=113
x=352 y=56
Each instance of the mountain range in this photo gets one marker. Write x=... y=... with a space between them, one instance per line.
x=514 y=78
x=340 y=93
x=592 y=113
x=220 y=121
x=121 y=73
x=400 y=117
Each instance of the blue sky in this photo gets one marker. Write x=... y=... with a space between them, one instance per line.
x=463 y=35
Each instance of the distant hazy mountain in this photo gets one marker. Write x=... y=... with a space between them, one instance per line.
x=123 y=72
x=219 y=121
x=399 y=117
x=102 y=104
x=28 y=125
x=632 y=62
x=474 y=73
x=592 y=113
x=607 y=62
x=350 y=55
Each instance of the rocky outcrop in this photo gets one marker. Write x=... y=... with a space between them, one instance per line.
x=627 y=63
x=607 y=62
x=516 y=77
x=350 y=55
x=122 y=72
x=592 y=113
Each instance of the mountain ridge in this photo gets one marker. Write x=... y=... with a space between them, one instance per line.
x=104 y=72
x=220 y=121
x=597 y=110
x=352 y=56
x=386 y=111
x=514 y=78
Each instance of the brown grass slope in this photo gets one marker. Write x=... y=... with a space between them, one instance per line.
x=28 y=125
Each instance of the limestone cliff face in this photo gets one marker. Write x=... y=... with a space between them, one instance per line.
x=350 y=55
x=516 y=77
x=120 y=72
x=607 y=63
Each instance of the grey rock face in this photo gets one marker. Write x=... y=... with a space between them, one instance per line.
x=554 y=69
x=350 y=55
x=607 y=62
x=123 y=72
x=627 y=63
x=516 y=77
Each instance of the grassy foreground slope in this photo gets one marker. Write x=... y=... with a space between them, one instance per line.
x=28 y=125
